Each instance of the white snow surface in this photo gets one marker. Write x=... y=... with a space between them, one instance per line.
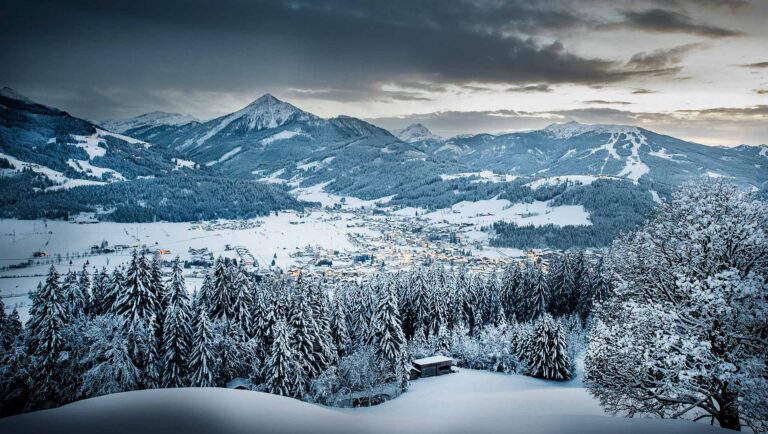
x=662 y=153
x=86 y=167
x=153 y=119
x=282 y=135
x=465 y=402
x=62 y=181
x=572 y=129
x=486 y=212
x=226 y=156
x=316 y=193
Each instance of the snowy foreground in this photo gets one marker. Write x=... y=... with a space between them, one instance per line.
x=470 y=401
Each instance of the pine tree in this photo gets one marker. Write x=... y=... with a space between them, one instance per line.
x=76 y=300
x=387 y=337
x=85 y=288
x=115 y=291
x=242 y=301
x=548 y=351
x=339 y=329
x=302 y=341
x=202 y=361
x=177 y=337
x=221 y=290
x=138 y=303
x=45 y=346
x=283 y=372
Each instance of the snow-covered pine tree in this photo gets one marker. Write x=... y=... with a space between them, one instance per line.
x=107 y=364
x=339 y=329
x=177 y=338
x=138 y=302
x=202 y=360
x=387 y=338
x=596 y=290
x=684 y=333
x=100 y=300
x=560 y=282
x=509 y=283
x=85 y=288
x=75 y=300
x=539 y=295
x=45 y=344
x=548 y=351
x=116 y=290
x=222 y=290
x=283 y=373
x=302 y=340
x=242 y=301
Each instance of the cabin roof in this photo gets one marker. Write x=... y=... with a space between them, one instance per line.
x=432 y=360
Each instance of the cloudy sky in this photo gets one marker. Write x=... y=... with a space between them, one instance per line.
x=696 y=69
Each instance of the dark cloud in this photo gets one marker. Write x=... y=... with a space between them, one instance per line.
x=755 y=65
x=661 y=61
x=668 y=21
x=604 y=102
x=341 y=50
x=761 y=91
x=642 y=91
x=530 y=88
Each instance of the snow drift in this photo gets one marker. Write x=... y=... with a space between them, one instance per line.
x=470 y=401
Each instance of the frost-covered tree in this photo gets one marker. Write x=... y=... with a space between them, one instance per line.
x=75 y=296
x=684 y=334
x=222 y=290
x=339 y=329
x=46 y=345
x=284 y=373
x=202 y=361
x=388 y=340
x=138 y=302
x=107 y=364
x=548 y=350
x=177 y=337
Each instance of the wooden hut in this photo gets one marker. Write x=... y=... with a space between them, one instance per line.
x=432 y=366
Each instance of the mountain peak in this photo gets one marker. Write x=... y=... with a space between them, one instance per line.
x=416 y=133
x=572 y=129
x=270 y=112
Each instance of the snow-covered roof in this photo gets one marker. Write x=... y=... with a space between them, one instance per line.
x=432 y=360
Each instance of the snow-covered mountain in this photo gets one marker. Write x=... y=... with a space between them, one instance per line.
x=620 y=151
x=63 y=151
x=147 y=120
x=270 y=135
x=417 y=133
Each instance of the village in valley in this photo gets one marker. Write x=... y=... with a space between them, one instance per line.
x=332 y=243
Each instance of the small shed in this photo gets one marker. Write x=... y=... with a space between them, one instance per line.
x=432 y=366
x=240 y=383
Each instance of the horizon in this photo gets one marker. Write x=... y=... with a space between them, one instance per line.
x=686 y=68
x=393 y=131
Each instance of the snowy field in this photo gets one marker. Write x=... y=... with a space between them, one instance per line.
x=466 y=402
x=277 y=235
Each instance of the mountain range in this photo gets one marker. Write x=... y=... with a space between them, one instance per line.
x=275 y=146
x=270 y=135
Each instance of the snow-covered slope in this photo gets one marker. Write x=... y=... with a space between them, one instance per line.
x=572 y=149
x=147 y=120
x=68 y=151
x=469 y=401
